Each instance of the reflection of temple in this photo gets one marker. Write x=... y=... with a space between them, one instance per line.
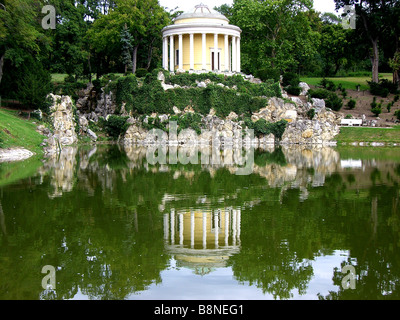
x=202 y=240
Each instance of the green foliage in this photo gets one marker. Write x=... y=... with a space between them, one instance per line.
x=116 y=126
x=376 y=108
x=318 y=93
x=29 y=83
x=290 y=79
x=151 y=97
x=328 y=84
x=382 y=88
x=268 y=74
x=333 y=101
x=311 y=113
x=376 y=111
x=351 y=104
x=294 y=90
x=141 y=72
x=262 y=127
x=397 y=114
x=126 y=88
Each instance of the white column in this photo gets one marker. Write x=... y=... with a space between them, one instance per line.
x=204 y=230
x=216 y=51
x=234 y=54
x=203 y=47
x=216 y=228
x=192 y=229
x=226 y=53
x=191 y=52
x=234 y=227
x=166 y=223
x=227 y=227
x=172 y=225
x=171 y=54
x=238 y=55
x=180 y=53
x=164 y=53
x=181 y=229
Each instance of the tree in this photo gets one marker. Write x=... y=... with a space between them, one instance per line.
x=275 y=33
x=20 y=31
x=373 y=16
x=126 y=42
x=144 y=20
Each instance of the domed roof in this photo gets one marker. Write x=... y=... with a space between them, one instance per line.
x=201 y=11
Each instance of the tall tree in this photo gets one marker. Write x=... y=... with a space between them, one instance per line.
x=20 y=31
x=126 y=41
x=144 y=19
x=373 y=16
x=274 y=32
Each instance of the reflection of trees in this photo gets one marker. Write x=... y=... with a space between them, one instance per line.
x=105 y=233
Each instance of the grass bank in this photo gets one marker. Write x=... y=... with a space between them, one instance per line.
x=19 y=132
x=362 y=134
x=349 y=83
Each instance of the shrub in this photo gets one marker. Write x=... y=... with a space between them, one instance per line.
x=290 y=79
x=294 y=90
x=397 y=114
x=262 y=127
x=311 y=113
x=396 y=98
x=141 y=72
x=382 y=88
x=351 y=104
x=268 y=73
x=116 y=126
x=328 y=84
x=318 y=93
x=376 y=111
x=333 y=101
x=389 y=106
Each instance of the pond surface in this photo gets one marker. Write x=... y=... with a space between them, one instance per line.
x=307 y=223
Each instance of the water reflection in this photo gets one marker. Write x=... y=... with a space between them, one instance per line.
x=117 y=227
x=202 y=240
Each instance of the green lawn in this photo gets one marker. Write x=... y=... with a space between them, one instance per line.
x=18 y=132
x=349 y=83
x=360 y=134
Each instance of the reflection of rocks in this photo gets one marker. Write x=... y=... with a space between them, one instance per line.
x=288 y=167
x=61 y=168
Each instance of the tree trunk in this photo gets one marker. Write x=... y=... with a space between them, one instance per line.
x=375 y=60
x=150 y=54
x=134 y=58
x=1 y=66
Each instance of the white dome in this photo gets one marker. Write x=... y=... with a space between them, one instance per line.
x=201 y=11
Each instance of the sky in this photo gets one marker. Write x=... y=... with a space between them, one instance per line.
x=188 y=5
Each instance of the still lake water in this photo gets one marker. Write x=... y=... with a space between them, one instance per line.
x=115 y=227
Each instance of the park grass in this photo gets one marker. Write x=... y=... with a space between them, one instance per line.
x=19 y=132
x=361 y=134
x=349 y=83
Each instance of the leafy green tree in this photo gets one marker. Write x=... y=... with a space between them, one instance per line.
x=375 y=19
x=144 y=20
x=276 y=33
x=20 y=33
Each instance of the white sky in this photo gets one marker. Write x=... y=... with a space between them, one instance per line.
x=187 y=5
